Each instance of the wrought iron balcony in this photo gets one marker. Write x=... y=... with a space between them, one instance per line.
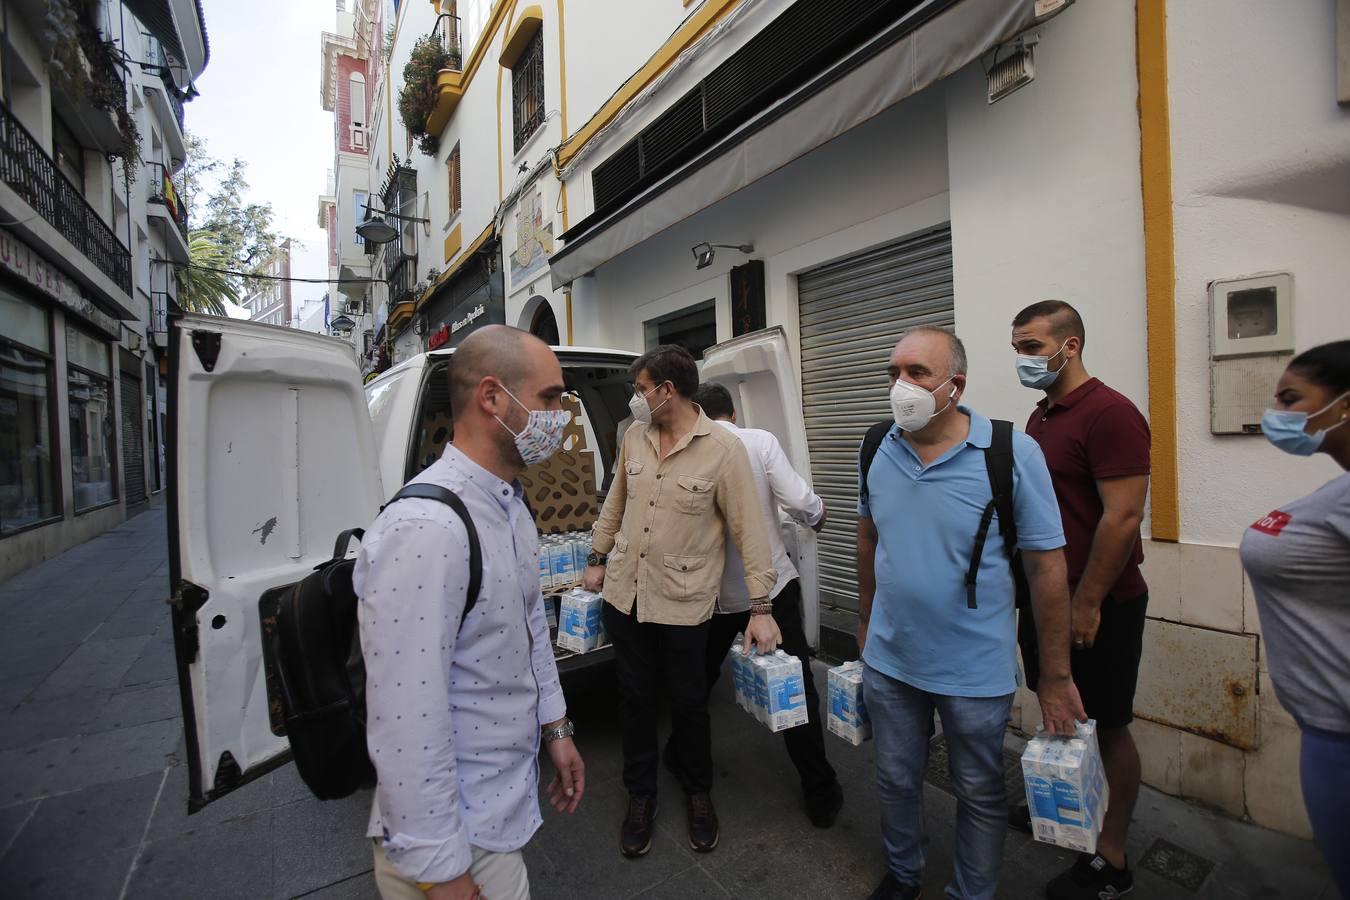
x=402 y=279
x=446 y=33
x=30 y=172
x=161 y=61
x=162 y=189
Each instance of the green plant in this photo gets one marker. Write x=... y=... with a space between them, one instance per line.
x=417 y=98
x=85 y=64
x=389 y=34
x=200 y=289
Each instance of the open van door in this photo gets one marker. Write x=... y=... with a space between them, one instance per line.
x=271 y=455
x=758 y=370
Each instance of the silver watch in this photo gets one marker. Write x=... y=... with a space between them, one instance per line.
x=558 y=732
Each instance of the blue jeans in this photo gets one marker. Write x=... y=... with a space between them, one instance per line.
x=1324 y=769
x=902 y=724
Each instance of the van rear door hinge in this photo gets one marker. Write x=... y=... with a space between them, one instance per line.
x=186 y=600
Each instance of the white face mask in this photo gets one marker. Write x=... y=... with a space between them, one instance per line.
x=543 y=432
x=641 y=409
x=914 y=406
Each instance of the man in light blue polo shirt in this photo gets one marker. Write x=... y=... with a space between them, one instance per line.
x=924 y=647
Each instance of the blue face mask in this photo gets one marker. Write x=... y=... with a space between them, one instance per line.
x=1034 y=371
x=1285 y=428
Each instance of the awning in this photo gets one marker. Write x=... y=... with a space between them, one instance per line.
x=931 y=42
x=159 y=19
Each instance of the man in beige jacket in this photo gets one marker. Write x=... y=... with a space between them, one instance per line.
x=681 y=485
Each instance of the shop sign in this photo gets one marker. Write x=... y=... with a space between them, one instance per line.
x=21 y=260
x=441 y=336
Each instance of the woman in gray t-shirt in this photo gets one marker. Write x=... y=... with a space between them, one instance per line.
x=1298 y=558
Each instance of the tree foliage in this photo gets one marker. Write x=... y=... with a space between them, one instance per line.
x=417 y=97
x=200 y=289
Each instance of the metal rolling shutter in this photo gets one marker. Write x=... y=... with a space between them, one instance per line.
x=133 y=449
x=852 y=312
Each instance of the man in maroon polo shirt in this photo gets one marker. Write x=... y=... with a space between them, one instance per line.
x=1096 y=444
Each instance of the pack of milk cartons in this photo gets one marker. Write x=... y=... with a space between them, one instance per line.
x=581 y=628
x=1066 y=788
x=848 y=714
x=769 y=687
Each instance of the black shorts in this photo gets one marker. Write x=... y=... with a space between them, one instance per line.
x=1106 y=673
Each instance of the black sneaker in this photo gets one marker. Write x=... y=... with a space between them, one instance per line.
x=635 y=838
x=1091 y=878
x=703 y=830
x=891 y=889
x=1019 y=817
x=822 y=806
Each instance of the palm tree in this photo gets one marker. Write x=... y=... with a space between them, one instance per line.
x=200 y=288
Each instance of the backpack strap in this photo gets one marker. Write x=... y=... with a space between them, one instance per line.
x=425 y=491
x=344 y=540
x=998 y=463
x=871 y=443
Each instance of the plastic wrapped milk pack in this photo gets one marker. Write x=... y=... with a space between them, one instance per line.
x=848 y=714
x=769 y=687
x=1066 y=788
x=580 y=626
x=562 y=559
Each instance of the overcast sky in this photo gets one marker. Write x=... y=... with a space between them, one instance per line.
x=260 y=102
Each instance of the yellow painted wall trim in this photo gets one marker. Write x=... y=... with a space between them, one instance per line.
x=562 y=80
x=523 y=28
x=1160 y=276
x=697 y=25
x=401 y=313
x=458 y=264
x=453 y=241
x=449 y=91
x=567 y=299
x=501 y=175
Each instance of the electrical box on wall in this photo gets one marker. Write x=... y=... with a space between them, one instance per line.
x=1251 y=342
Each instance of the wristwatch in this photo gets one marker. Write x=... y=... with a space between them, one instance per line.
x=558 y=732
x=596 y=559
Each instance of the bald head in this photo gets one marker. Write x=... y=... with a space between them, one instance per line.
x=494 y=351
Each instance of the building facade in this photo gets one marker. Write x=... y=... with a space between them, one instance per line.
x=1122 y=156
x=268 y=299
x=93 y=221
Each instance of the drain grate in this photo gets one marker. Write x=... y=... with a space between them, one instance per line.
x=1177 y=864
x=938 y=773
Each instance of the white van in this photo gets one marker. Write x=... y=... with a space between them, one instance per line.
x=276 y=447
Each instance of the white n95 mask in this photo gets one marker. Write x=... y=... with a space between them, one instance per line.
x=914 y=407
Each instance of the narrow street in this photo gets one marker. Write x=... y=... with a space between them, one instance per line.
x=93 y=787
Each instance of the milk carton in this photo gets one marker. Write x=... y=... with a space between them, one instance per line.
x=742 y=678
x=580 y=628
x=581 y=548
x=551 y=612
x=1066 y=788
x=779 y=696
x=562 y=563
x=848 y=714
x=545 y=568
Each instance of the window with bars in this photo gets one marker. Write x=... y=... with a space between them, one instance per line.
x=527 y=90
x=452 y=171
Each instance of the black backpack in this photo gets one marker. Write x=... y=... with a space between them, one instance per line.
x=998 y=462
x=314 y=666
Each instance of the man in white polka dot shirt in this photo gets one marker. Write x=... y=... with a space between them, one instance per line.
x=457 y=713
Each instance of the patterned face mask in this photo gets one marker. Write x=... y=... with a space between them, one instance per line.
x=543 y=432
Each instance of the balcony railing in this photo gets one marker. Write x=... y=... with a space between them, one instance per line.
x=161 y=60
x=159 y=312
x=162 y=189
x=446 y=33
x=32 y=174
x=402 y=278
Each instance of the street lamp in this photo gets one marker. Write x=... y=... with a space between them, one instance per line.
x=378 y=231
x=704 y=252
x=343 y=324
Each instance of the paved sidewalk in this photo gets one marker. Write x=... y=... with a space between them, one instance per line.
x=93 y=787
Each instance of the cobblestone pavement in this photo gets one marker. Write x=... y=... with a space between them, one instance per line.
x=93 y=787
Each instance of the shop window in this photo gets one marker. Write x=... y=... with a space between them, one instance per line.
x=527 y=90
x=28 y=451
x=694 y=328
x=92 y=444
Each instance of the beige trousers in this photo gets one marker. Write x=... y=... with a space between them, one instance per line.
x=499 y=876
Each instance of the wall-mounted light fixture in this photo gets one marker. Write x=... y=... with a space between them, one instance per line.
x=704 y=253
x=378 y=231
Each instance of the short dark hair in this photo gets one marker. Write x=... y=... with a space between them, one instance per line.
x=715 y=400
x=672 y=363
x=1065 y=321
x=1327 y=365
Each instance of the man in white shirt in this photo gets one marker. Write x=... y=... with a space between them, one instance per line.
x=458 y=709
x=779 y=488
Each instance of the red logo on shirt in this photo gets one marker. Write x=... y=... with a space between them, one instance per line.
x=1272 y=523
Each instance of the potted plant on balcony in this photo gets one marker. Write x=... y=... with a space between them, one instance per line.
x=417 y=98
x=87 y=66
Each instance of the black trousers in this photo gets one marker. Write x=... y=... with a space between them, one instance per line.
x=650 y=656
x=805 y=743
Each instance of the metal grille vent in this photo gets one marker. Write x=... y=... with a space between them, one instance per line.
x=1013 y=72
